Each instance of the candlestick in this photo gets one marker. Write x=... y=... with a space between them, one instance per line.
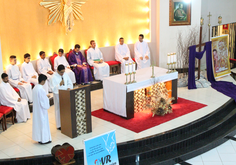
x=175 y=60
x=126 y=68
x=126 y=82
x=134 y=67
x=171 y=58
x=134 y=77
x=168 y=68
x=130 y=68
x=130 y=82
x=153 y=75
x=168 y=58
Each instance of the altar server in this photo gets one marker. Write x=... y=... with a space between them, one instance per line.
x=60 y=80
x=95 y=59
x=29 y=74
x=142 y=53
x=60 y=59
x=81 y=68
x=10 y=98
x=17 y=81
x=41 y=129
x=122 y=54
x=44 y=67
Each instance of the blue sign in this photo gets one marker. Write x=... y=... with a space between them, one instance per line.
x=101 y=150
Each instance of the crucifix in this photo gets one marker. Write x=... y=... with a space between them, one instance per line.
x=199 y=46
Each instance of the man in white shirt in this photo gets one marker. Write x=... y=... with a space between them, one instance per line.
x=142 y=53
x=10 y=98
x=95 y=59
x=60 y=80
x=45 y=68
x=60 y=59
x=29 y=74
x=41 y=129
x=17 y=81
x=122 y=54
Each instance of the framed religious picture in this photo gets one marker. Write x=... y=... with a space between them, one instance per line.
x=179 y=12
x=220 y=56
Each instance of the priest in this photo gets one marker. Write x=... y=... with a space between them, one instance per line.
x=81 y=69
x=41 y=129
x=60 y=59
x=10 y=98
x=142 y=53
x=122 y=54
x=59 y=81
x=29 y=74
x=95 y=59
x=17 y=81
x=45 y=68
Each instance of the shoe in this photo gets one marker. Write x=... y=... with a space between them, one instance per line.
x=59 y=128
x=45 y=143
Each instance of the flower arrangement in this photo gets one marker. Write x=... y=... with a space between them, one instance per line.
x=158 y=100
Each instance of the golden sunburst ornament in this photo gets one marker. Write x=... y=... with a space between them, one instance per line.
x=65 y=11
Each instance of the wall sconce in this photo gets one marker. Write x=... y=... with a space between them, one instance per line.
x=219 y=20
x=202 y=21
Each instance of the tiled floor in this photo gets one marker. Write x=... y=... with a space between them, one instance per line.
x=17 y=141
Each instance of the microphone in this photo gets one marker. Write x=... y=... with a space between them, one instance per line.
x=63 y=80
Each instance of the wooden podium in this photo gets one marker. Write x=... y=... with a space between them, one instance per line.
x=75 y=111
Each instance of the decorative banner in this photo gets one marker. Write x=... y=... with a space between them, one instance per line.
x=101 y=150
x=220 y=56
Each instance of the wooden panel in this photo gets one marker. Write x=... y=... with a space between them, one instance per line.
x=174 y=90
x=130 y=105
x=65 y=107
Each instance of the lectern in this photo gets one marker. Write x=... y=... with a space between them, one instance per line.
x=75 y=111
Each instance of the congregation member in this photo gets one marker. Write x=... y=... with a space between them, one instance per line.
x=60 y=59
x=15 y=79
x=41 y=129
x=29 y=74
x=10 y=98
x=95 y=59
x=122 y=54
x=142 y=53
x=81 y=69
x=60 y=80
x=45 y=68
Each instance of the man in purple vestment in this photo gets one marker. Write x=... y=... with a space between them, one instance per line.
x=82 y=72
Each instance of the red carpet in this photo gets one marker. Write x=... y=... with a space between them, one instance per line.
x=144 y=120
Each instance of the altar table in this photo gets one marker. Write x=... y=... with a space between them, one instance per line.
x=118 y=98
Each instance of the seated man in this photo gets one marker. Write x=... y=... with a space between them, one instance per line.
x=122 y=54
x=44 y=67
x=41 y=128
x=60 y=80
x=95 y=59
x=10 y=98
x=60 y=59
x=142 y=53
x=29 y=74
x=82 y=71
x=17 y=81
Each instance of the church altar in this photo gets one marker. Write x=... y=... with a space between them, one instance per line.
x=122 y=99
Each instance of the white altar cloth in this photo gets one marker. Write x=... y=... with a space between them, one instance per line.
x=114 y=89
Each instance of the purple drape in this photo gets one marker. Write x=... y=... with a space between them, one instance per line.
x=227 y=88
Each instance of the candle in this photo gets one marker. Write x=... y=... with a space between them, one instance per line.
x=130 y=68
x=126 y=68
x=174 y=58
x=171 y=58
x=134 y=67
x=168 y=58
